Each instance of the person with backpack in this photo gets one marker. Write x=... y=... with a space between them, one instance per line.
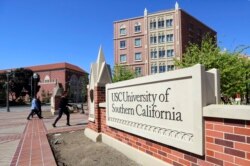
x=34 y=109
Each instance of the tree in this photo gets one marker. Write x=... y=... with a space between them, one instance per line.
x=20 y=82
x=84 y=83
x=121 y=73
x=2 y=91
x=234 y=68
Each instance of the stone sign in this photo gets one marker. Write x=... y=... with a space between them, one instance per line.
x=166 y=107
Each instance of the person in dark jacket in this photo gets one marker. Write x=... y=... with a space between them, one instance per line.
x=63 y=109
x=39 y=106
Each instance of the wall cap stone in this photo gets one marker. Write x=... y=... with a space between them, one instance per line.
x=102 y=105
x=241 y=112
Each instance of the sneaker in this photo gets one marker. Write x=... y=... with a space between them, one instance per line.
x=28 y=118
x=68 y=124
x=53 y=125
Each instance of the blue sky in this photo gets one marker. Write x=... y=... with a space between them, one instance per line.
x=35 y=32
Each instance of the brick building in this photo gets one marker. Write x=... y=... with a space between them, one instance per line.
x=149 y=43
x=71 y=77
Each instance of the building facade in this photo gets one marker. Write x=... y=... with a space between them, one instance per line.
x=72 y=78
x=149 y=44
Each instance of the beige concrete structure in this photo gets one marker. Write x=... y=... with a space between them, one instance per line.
x=148 y=44
x=100 y=75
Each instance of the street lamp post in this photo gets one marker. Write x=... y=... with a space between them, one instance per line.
x=31 y=87
x=35 y=76
x=7 y=91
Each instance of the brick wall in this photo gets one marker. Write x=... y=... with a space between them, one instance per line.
x=99 y=97
x=227 y=141
x=195 y=33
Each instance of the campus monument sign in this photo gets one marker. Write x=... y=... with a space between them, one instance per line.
x=166 y=107
x=100 y=75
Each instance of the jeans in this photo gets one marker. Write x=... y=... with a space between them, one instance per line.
x=34 y=111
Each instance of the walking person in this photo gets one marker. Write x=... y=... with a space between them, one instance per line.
x=34 y=109
x=39 y=106
x=63 y=108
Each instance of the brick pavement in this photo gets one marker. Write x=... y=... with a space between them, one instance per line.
x=25 y=142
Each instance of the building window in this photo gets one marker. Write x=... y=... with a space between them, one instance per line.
x=123 y=44
x=123 y=58
x=153 y=68
x=170 y=38
x=123 y=30
x=137 y=42
x=138 y=71
x=161 y=24
x=170 y=53
x=153 y=40
x=162 y=68
x=161 y=53
x=137 y=27
x=138 y=56
x=153 y=54
x=170 y=67
x=169 y=22
x=161 y=38
x=46 y=79
x=153 y=25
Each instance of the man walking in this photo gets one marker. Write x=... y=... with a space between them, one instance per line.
x=63 y=109
x=39 y=105
x=34 y=109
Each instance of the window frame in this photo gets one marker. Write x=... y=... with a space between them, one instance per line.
x=123 y=55
x=152 y=25
x=46 y=79
x=171 y=53
x=136 y=26
x=169 y=23
x=153 y=68
x=138 y=39
x=162 y=68
x=170 y=37
x=153 y=40
x=122 y=27
x=125 y=44
x=162 y=53
x=161 y=39
x=140 y=56
x=161 y=24
x=140 y=71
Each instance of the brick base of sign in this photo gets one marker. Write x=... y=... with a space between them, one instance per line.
x=227 y=142
x=99 y=96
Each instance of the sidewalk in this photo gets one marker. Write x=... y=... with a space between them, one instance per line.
x=24 y=142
